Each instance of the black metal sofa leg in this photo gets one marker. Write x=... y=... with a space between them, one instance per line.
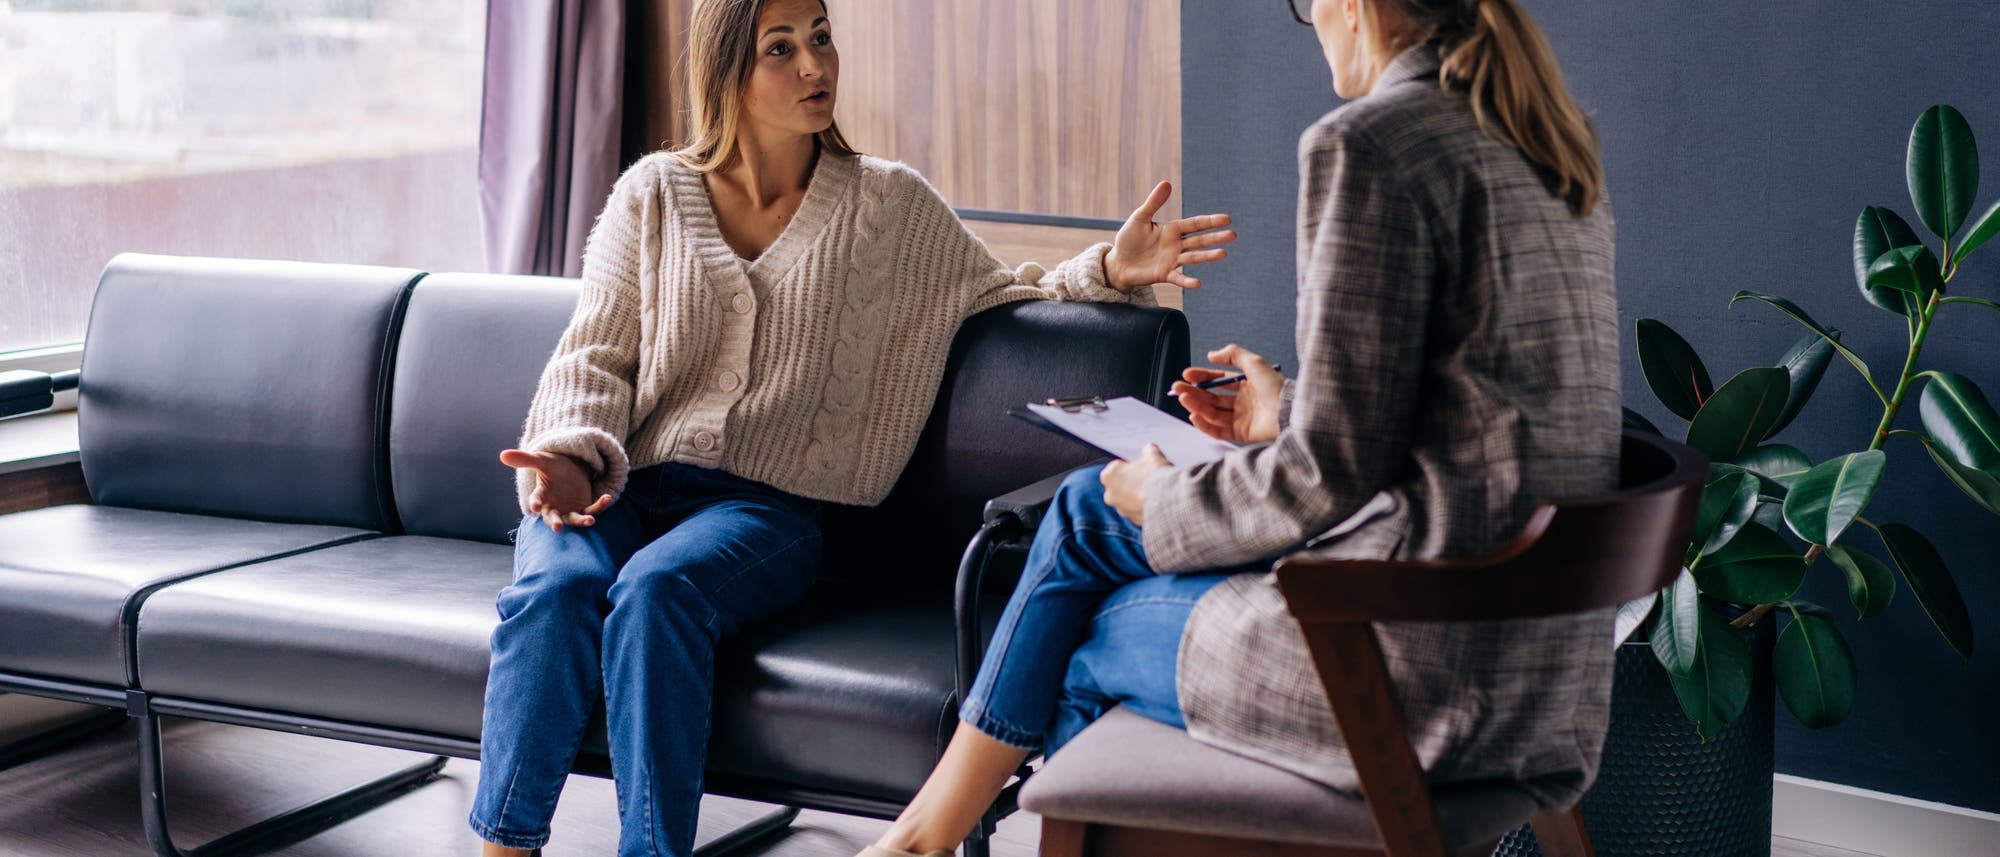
x=272 y=833
x=61 y=737
x=756 y=832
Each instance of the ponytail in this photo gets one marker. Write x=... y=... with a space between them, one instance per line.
x=1492 y=50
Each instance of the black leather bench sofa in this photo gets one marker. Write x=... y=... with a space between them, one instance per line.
x=300 y=524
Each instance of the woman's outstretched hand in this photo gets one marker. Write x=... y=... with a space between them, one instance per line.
x=562 y=490
x=1145 y=252
x=1249 y=416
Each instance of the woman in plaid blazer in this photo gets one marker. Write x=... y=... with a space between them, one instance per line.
x=1457 y=329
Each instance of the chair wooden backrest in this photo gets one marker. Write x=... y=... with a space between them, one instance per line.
x=1570 y=557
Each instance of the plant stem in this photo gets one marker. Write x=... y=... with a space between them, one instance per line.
x=1882 y=431
x=1909 y=373
x=1974 y=301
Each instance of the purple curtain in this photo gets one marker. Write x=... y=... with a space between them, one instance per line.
x=549 y=129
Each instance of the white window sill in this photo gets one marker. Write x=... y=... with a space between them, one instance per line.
x=37 y=441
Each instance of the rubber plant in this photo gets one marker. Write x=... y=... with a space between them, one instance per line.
x=1769 y=513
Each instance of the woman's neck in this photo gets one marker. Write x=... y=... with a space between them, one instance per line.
x=769 y=171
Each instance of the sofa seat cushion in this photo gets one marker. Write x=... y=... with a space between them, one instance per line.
x=387 y=632
x=851 y=691
x=68 y=574
x=1128 y=770
x=854 y=690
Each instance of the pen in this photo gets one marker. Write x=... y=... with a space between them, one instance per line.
x=1220 y=382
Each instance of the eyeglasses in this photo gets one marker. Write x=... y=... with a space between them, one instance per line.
x=1302 y=11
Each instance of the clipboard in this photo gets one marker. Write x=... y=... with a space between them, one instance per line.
x=1122 y=427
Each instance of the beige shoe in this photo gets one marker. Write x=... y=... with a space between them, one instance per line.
x=879 y=851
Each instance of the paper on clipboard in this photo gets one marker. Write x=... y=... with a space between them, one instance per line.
x=1126 y=425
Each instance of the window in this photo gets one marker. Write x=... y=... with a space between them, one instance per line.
x=323 y=130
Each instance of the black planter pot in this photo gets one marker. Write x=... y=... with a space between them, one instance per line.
x=1662 y=791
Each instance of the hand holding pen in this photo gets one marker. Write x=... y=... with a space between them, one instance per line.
x=1249 y=416
x=1229 y=379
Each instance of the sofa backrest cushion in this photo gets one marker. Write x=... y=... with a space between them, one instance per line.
x=471 y=352
x=473 y=347
x=971 y=451
x=240 y=388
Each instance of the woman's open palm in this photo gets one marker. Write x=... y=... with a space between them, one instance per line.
x=1248 y=416
x=562 y=490
x=1145 y=252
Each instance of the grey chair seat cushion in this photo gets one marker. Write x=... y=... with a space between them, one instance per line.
x=851 y=691
x=1128 y=770
x=69 y=573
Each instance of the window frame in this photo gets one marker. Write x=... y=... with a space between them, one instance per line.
x=50 y=359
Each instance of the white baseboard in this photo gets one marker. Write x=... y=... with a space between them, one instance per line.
x=1878 y=823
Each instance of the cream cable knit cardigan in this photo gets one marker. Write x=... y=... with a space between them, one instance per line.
x=811 y=369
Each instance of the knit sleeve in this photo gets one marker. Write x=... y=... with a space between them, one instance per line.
x=983 y=282
x=583 y=404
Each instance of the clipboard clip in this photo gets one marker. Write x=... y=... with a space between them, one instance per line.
x=1094 y=404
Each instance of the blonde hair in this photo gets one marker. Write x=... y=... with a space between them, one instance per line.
x=1495 y=53
x=722 y=45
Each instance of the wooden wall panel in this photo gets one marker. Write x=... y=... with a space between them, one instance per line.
x=43 y=487
x=655 y=74
x=1044 y=106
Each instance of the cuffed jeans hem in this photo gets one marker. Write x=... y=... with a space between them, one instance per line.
x=529 y=843
x=1000 y=730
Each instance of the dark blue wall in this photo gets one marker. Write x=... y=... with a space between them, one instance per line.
x=1741 y=139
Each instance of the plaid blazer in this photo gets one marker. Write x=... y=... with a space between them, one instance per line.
x=1458 y=344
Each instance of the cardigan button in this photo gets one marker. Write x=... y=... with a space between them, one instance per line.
x=704 y=441
x=728 y=381
x=741 y=303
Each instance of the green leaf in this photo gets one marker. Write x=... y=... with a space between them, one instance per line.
x=1815 y=671
x=1632 y=616
x=1914 y=270
x=1982 y=229
x=1981 y=485
x=1672 y=369
x=1830 y=496
x=1727 y=503
x=1800 y=316
x=1677 y=627
x=1770 y=513
x=1756 y=567
x=1943 y=169
x=1806 y=361
x=1870 y=585
x=1923 y=568
x=1633 y=420
x=1777 y=465
x=1877 y=231
x=1960 y=419
x=1715 y=691
x=1739 y=415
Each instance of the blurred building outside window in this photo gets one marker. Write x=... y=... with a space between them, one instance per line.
x=318 y=130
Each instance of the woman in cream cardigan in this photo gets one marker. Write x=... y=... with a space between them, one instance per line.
x=1458 y=365
x=764 y=321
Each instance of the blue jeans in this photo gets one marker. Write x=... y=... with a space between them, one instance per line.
x=1090 y=626
x=629 y=611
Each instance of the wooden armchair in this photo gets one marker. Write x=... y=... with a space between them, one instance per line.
x=1129 y=786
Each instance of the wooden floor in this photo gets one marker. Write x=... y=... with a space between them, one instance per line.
x=83 y=803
